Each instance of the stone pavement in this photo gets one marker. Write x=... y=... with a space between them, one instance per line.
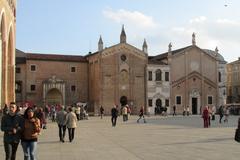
x=165 y=138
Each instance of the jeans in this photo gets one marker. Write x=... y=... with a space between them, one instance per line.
x=10 y=150
x=62 y=130
x=114 y=121
x=29 y=150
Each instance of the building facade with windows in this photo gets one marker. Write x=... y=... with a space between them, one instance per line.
x=51 y=79
x=7 y=50
x=197 y=77
x=158 y=84
x=123 y=74
x=233 y=85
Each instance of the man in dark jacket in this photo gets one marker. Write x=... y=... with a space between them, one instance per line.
x=11 y=125
x=114 y=112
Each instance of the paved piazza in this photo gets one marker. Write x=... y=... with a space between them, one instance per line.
x=165 y=138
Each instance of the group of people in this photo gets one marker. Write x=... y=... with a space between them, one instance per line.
x=126 y=111
x=24 y=127
x=66 y=119
x=208 y=114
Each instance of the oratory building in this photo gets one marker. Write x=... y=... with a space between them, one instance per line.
x=122 y=74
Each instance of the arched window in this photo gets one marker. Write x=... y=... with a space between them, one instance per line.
x=219 y=77
x=158 y=75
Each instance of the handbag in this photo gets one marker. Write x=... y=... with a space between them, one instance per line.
x=237 y=135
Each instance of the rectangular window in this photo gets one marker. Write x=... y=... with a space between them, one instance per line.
x=219 y=77
x=150 y=102
x=18 y=70
x=179 y=100
x=150 y=75
x=33 y=67
x=73 y=88
x=167 y=102
x=210 y=100
x=33 y=87
x=167 y=76
x=73 y=69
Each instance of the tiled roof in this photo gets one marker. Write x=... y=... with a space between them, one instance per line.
x=55 y=57
x=21 y=57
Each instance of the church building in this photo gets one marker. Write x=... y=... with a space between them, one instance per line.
x=123 y=74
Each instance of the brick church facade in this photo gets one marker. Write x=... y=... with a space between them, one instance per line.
x=119 y=75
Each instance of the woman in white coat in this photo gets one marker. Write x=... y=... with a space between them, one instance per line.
x=71 y=123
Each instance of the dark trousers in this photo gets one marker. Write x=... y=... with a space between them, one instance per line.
x=71 y=134
x=114 y=121
x=125 y=117
x=78 y=116
x=62 y=131
x=141 y=116
x=221 y=116
x=10 y=150
x=174 y=113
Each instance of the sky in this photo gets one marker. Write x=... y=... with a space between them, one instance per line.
x=74 y=26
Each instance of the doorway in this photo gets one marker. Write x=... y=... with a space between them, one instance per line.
x=54 y=97
x=123 y=100
x=194 y=105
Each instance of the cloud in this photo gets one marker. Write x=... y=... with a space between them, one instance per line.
x=228 y=22
x=133 y=18
x=200 y=19
x=210 y=33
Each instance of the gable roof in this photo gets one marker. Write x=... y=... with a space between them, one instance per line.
x=113 y=47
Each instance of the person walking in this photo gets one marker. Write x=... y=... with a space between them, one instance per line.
x=77 y=111
x=213 y=113
x=174 y=110
x=114 y=113
x=188 y=110
x=61 y=121
x=205 y=116
x=184 y=110
x=12 y=126
x=226 y=114
x=141 y=115
x=101 y=111
x=71 y=123
x=221 y=113
x=41 y=116
x=32 y=128
x=124 y=113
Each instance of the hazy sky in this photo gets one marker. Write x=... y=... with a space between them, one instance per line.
x=74 y=26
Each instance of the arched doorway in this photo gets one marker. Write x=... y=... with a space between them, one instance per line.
x=54 y=96
x=123 y=100
x=159 y=103
x=158 y=109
